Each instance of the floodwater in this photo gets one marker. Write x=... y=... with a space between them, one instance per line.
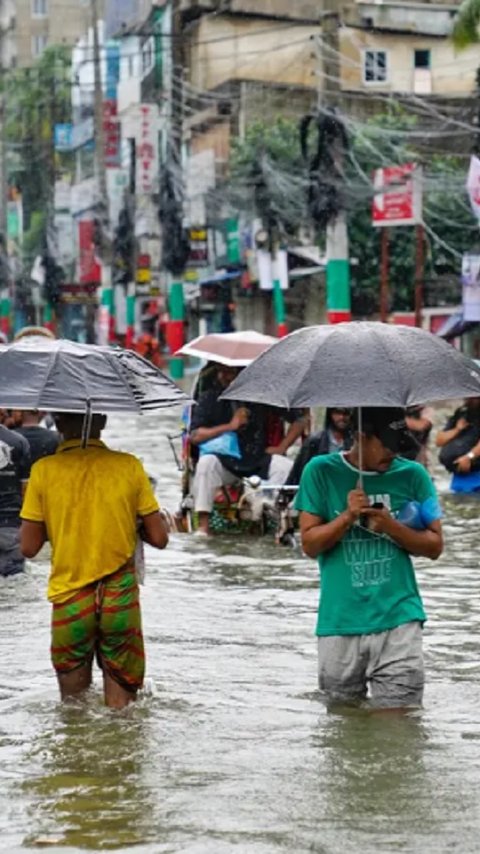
x=230 y=749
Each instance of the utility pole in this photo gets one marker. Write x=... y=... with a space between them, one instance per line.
x=176 y=302
x=419 y=273
x=384 y=261
x=337 y=250
x=5 y=283
x=106 y=320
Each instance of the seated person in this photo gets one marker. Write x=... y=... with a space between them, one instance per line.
x=337 y=435
x=460 y=439
x=211 y=418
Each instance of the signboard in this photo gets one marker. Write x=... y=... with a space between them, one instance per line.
x=398 y=196
x=143 y=276
x=272 y=268
x=84 y=196
x=62 y=136
x=198 y=255
x=471 y=286
x=111 y=134
x=76 y=294
x=89 y=268
x=82 y=133
x=147 y=161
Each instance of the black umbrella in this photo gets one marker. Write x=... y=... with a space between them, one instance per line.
x=63 y=376
x=357 y=364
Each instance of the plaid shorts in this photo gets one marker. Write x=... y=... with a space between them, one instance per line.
x=102 y=619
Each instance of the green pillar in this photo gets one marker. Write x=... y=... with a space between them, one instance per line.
x=176 y=328
x=338 y=272
x=5 y=312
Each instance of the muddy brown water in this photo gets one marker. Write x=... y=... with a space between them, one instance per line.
x=230 y=749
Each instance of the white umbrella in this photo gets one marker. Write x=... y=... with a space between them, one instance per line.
x=235 y=349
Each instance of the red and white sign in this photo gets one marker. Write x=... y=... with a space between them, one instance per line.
x=147 y=149
x=398 y=196
x=89 y=268
x=111 y=133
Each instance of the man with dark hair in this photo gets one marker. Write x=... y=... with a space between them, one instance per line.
x=370 y=613
x=87 y=501
x=337 y=435
x=14 y=473
x=42 y=441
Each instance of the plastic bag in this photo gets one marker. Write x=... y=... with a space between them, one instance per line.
x=227 y=445
x=419 y=515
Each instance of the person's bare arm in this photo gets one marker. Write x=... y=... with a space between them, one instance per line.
x=33 y=535
x=203 y=434
x=427 y=543
x=319 y=536
x=465 y=462
x=444 y=436
x=417 y=424
x=294 y=431
x=154 y=530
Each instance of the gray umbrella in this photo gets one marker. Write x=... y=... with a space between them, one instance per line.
x=357 y=364
x=63 y=376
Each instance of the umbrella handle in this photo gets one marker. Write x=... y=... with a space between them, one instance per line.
x=87 y=423
x=360 y=448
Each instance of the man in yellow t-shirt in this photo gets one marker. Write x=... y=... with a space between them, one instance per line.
x=87 y=502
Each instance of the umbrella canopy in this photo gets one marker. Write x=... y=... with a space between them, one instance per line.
x=63 y=376
x=357 y=364
x=236 y=349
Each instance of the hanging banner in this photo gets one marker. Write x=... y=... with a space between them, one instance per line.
x=272 y=268
x=473 y=185
x=471 y=286
x=398 y=196
x=89 y=268
x=147 y=159
x=111 y=134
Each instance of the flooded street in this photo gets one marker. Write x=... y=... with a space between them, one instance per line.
x=230 y=749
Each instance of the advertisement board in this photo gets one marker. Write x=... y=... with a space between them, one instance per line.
x=471 y=286
x=398 y=196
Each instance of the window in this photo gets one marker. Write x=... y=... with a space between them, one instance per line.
x=39 y=8
x=421 y=59
x=148 y=57
x=375 y=66
x=39 y=44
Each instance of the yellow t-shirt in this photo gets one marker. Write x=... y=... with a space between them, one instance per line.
x=89 y=500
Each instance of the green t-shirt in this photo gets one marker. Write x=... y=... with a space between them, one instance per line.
x=367 y=582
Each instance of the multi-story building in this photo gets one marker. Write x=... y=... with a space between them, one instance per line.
x=29 y=26
x=403 y=51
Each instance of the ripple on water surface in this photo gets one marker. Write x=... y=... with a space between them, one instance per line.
x=231 y=750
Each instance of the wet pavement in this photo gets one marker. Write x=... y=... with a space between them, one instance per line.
x=230 y=749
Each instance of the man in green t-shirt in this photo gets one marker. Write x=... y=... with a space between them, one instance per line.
x=370 y=614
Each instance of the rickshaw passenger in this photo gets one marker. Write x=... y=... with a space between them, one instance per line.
x=212 y=418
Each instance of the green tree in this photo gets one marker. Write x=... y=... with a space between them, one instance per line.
x=269 y=157
x=465 y=30
x=267 y=175
x=37 y=98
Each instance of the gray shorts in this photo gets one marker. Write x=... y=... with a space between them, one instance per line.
x=11 y=558
x=385 y=668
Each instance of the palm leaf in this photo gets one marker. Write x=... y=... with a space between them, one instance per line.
x=465 y=30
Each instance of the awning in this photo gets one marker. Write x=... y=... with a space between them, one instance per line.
x=220 y=277
x=310 y=254
x=455 y=326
